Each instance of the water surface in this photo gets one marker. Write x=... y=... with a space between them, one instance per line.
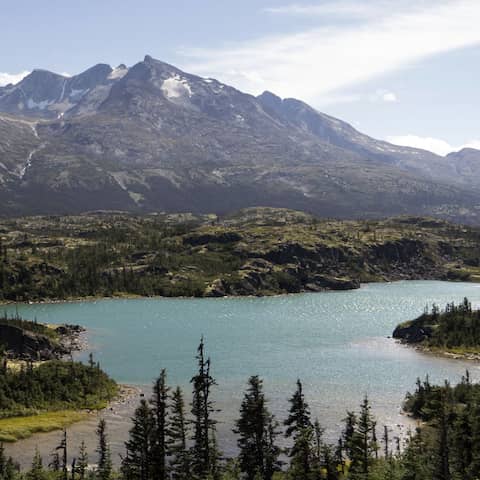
x=336 y=342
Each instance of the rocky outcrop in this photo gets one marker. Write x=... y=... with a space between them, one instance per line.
x=412 y=332
x=259 y=277
x=22 y=344
x=224 y=237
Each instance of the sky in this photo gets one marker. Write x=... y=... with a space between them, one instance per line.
x=406 y=71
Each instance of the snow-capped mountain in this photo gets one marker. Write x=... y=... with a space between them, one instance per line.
x=152 y=137
x=43 y=94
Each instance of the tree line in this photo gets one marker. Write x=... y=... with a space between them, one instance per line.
x=172 y=440
x=54 y=385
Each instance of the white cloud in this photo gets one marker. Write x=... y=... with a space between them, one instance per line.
x=389 y=97
x=316 y=62
x=435 y=145
x=6 y=78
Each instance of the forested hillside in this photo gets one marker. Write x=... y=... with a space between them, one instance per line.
x=255 y=252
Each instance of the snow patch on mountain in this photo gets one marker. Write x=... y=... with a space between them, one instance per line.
x=175 y=87
x=118 y=73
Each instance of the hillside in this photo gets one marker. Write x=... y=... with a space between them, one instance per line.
x=254 y=252
x=154 y=138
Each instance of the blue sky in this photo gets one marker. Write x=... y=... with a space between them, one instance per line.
x=402 y=70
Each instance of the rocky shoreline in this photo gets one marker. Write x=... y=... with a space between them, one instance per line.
x=29 y=341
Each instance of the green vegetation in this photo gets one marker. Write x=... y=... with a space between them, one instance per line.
x=448 y=446
x=29 y=326
x=257 y=251
x=455 y=329
x=54 y=385
x=17 y=428
x=41 y=397
x=166 y=443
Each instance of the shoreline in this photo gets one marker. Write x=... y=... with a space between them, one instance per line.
x=436 y=352
x=132 y=296
x=470 y=356
x=64 y=418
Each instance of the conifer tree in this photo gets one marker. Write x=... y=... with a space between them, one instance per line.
x=258 y=456
x=60 y=457
x=204 y=456
x=37 y=471
x=138 y=463
x=159 y=404
x=363 y=444
x=348 y=434
x=104 y=466
x=82 y=462
x=300 y=428
x=7 y=467
x=442 y=464
x=177 y=438
x=415 y=461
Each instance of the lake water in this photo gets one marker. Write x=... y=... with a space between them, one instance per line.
x=336 y=342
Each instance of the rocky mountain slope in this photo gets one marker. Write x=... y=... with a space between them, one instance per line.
x=152 y=137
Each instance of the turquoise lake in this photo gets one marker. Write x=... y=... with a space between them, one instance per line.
x=336 y=342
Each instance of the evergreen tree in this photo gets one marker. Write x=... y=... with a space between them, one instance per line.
x=300 y=428
x=442 y=463
x=82 y=463
x=347 y=445
x=159 y=403
x=177 y=438
x=204 y=455
x=60 y=457
x=7 y=467
x=272 y=450
x=258 y=456
x=37 y=471
x=104 y=467
x=415 y=461
x=363 y=444
x=138 y=463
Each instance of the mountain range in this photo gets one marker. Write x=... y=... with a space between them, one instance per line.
x=154 y=138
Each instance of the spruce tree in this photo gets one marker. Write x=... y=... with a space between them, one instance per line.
x=415 y=460
x=37 y=471
x=82 y=462
x=60 y=457
x=177 y=438
x=159 y=404
x=363 y=445
x=300 y=428
x=443 y=418
x=138 y=463
x=7 y=467
x=348 y=434
x=258 y=456
x=104 y=466
x=204 y=455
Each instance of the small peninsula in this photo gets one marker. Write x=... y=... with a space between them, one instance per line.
x=39 y=389
x=454 y=331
